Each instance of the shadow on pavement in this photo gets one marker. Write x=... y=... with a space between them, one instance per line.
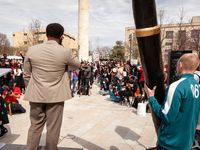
x=113 y=148
x=9 y=138
x=23 y=147
x=87 y=144
x=128 y=134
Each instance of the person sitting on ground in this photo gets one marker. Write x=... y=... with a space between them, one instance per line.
x=104 y=89
x=131 y=87
x=113 y=91
x=10 y=95
x=104 y=75
x=115 y=79
x=114 y=96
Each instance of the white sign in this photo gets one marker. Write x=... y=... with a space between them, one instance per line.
x=90 y=59
x=134 y=61
x=96 y=56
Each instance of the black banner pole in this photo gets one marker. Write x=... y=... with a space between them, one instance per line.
x=148 y=37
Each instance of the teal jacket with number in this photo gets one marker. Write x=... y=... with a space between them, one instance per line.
x=179 y=114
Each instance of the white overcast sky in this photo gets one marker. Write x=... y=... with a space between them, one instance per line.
x=108 y=18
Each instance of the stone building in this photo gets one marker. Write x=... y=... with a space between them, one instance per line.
x=182 y=36
x=25 y=39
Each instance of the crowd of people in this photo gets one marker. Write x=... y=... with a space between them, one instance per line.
x=118 y=78
x=11 y=87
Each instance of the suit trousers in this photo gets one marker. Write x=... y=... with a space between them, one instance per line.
x=41 y=113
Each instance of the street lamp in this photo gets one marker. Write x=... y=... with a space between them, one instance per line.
x=130 y=39
x=136 y=53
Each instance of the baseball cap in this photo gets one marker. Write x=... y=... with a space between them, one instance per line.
x=114 y=70
x=132 y=77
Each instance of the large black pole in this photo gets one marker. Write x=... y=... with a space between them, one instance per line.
x=148 y=37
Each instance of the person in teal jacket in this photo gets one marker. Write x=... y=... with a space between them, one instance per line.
x=180 y=112
x=114 y=96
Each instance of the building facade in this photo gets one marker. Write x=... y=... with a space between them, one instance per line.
x=25 y=39
x=181 y=36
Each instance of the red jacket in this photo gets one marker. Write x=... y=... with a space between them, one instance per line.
x=16 y=91
x=142 y=75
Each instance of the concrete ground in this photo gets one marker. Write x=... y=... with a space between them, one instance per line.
x=92 y=123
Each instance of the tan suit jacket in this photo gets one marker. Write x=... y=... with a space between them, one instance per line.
x=46 y=72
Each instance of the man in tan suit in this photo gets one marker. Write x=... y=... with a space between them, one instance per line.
x=47 y=86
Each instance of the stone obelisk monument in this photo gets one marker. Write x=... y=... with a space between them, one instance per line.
x=83 y=29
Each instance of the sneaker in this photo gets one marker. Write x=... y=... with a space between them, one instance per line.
x=3 y=132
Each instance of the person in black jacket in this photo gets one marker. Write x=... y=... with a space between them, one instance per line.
x=80 y=76
x=104 y=89
x=131 y=87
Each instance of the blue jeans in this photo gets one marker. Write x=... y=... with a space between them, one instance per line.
x=74 y=84
x=102 y=80
x=16 y=108
x=105 y=92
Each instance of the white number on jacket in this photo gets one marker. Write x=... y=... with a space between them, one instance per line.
x=195 y=90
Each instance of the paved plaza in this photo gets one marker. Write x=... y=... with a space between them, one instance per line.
x=91 y=123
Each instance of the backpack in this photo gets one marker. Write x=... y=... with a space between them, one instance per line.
x=3 y=112
x=83 y=90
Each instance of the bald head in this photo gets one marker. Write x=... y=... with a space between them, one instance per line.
x=187 y=63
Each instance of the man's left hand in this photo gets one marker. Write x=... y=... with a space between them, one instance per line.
x=149 y=92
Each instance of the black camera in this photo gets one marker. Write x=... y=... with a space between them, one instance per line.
x=9 y=91
x=10 y=87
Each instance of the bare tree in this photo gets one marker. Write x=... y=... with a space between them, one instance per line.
x=33 y=36
x=106 y=51
x=161 y=15
x=4 y=44
x=98 y=47
x=162 y=18
x=181 y=37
